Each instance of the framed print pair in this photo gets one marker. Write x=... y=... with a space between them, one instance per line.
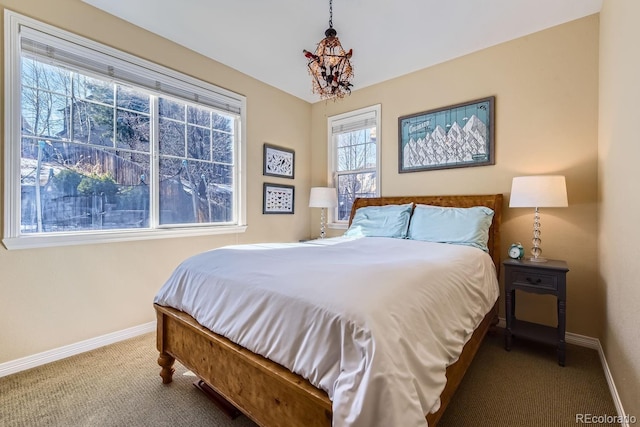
x=278 y=162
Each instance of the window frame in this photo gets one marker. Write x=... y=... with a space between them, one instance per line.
x=12 y=237
x=346 y=119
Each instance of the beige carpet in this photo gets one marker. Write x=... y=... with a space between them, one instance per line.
x=527 y=387
x=118 y=385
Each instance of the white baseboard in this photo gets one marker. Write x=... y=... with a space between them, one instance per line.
x=29 y=362
x=593 y=343
x=624 y=417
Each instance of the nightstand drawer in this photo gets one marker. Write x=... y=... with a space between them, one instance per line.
x=535 y=280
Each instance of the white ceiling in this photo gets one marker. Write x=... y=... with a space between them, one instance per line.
x=265 y=38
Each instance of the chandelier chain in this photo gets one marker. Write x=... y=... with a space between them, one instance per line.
x=330 y=13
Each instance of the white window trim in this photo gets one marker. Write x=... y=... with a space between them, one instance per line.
x=331 y=155
x=12 y=238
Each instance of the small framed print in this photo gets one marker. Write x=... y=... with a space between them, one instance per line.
x=277 y=199
x=278 y=161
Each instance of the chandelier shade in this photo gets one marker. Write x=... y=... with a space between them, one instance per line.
x=330 y=65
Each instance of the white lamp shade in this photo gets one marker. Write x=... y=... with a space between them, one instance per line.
x=323 y=197
x=541 y=191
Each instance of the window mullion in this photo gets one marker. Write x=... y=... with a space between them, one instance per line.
x=115 y=116
x=186 y=131
x=352 y=171
x=72 y=106
x=211 y=136
x=154 y=164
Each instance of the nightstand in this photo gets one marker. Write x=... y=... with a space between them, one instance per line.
x=540 y=278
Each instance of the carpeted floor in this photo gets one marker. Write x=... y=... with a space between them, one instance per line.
x=118 y=385
x=527 y=387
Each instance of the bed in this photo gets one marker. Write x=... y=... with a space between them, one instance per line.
x=269 y=393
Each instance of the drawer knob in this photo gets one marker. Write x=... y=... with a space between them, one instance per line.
x=531 y=281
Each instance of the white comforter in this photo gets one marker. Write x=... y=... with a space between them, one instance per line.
x=372 y=321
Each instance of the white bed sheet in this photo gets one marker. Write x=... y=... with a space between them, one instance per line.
x=372 y=321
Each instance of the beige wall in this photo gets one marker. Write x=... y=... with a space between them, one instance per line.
x=58 y=296
x=546 y=88
x=619 y=175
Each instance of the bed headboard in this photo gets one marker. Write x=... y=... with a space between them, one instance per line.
x=492 y=201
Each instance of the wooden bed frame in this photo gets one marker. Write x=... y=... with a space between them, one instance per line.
x=270 y=394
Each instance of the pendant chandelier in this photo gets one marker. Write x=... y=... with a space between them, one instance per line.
x=329 y=66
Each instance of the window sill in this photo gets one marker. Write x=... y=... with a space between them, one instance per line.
x=52 y=240
x=338 y=225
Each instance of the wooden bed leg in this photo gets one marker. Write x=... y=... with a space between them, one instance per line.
x=166 y=362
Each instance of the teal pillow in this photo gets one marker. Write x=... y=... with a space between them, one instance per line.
x=381 y=221
x=462 y=226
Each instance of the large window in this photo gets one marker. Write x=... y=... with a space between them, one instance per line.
x=354 y=158
x=100 y=144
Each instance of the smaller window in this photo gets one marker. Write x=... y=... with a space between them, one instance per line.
x=354 y=158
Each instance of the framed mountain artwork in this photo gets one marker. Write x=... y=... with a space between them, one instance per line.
x=457 y=136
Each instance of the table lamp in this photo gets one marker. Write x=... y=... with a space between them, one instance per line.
x=323 y=197
x=540 y=191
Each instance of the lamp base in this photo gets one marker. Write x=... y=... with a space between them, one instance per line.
x=539 y=259
x=323 y=221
